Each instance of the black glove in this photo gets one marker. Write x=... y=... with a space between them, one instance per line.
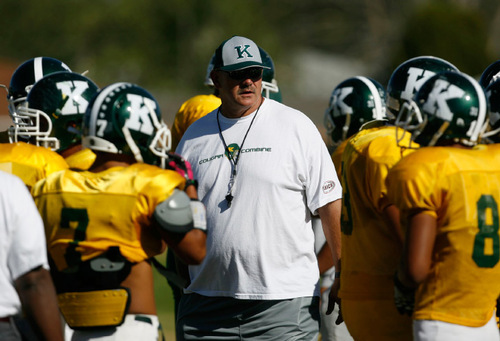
x=404 y=297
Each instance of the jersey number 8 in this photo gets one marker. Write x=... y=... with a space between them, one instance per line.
x=487 y=238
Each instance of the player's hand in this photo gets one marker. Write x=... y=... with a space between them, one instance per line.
x=404 y=297
x=333 y=298
x=182 y=166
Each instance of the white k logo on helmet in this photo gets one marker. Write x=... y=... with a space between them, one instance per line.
x=75 y=102
x=338 y=97
x=438 y=97
x=416 y=77
x=140 y=114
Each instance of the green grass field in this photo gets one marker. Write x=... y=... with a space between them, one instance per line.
x=164 y=303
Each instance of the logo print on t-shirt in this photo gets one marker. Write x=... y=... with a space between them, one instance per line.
x=232 y=151
x=328 y=186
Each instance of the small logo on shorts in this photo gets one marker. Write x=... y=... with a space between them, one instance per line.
x=328 y=186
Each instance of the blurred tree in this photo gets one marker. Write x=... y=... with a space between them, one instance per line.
x=165 y=46
x=457 y=33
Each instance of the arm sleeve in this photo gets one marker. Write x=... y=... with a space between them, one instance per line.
x=28 y=249
x=323 y=185
x=412 y=187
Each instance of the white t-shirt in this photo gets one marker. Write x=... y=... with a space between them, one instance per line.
x=22 y=240
x=262 y=247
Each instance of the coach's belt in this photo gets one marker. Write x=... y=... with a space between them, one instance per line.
x=5 y=319
x=100 y=308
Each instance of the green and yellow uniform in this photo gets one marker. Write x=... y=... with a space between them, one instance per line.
x=85 y=213
x=370 y=247
x=29 y=162
x=460 y=188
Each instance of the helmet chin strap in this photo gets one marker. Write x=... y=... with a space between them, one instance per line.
x=345 y=128
x=133 y=146
x=439 y=133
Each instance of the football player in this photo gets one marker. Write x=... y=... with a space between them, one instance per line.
x=26 y=75
x=353 y=102
x=372 y=240
x=52 y=116
x=270 y=88
x=448 y=195
x=29 y=162
x=103 y=225
x=493 y=96
x=490 y=74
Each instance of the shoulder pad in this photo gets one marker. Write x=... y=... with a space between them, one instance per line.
x=175 y=214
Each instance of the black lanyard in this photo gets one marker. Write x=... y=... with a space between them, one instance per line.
x=234 y=161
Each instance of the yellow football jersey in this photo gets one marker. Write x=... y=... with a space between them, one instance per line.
x=337 y=157
x=190 y=111
x=85 y=213
x=370 y=248
x=81 y=160
x=29 y=162
x=461 y=189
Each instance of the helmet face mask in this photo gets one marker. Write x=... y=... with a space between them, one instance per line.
x=408 y=77
x=410 y=117
x=208 y=79
x=26 y=75
x=411 y=120
x=270 y=87
x=449 y=108
x=53 y=114
x=33 y=126
x=353 y=102
x=125 y=119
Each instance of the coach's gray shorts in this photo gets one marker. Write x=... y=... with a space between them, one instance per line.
x=222 y=318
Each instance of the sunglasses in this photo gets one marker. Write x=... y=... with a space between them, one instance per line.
x=254 y=73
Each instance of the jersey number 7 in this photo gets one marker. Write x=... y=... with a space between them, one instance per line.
x=80 y=216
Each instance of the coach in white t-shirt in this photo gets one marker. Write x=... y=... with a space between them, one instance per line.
x=262 y=168
x=25 y=282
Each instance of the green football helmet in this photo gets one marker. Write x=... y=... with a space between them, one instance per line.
x=408 y=77
x=26 y=75
x=208 y=80
x=353 y=102
x=270 y=87
x=54 y=112
x=493 y=97
x=124 y=118
x=490 y=74
x=450 y=107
